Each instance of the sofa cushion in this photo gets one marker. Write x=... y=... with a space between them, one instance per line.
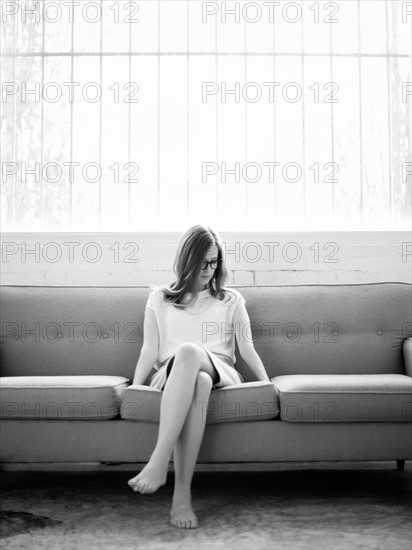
x=81 y=397
x=345 y=397
x=235 y=403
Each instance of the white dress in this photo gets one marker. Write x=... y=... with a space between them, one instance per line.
x=207 y=322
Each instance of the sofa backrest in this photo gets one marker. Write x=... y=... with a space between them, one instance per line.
x=305 y=329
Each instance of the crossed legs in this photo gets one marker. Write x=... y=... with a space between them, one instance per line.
x=181 y=430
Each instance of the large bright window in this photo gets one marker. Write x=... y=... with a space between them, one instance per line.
x=155 y=115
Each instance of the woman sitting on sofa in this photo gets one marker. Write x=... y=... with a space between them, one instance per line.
x=189 y=337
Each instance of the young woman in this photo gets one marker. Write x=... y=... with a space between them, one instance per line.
x=189 y=330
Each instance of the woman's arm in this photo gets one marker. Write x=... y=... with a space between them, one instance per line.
x=149 y=352
x=246 y=347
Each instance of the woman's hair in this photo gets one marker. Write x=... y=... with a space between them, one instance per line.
x=193 y=246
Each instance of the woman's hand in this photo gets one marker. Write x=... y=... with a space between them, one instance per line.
x=150 y=348
x=246 y=347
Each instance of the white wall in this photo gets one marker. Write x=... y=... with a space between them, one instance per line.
x=338 y=257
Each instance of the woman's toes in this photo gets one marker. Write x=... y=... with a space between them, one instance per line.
x=140 y=486
x=183 y=516
x=137 y=486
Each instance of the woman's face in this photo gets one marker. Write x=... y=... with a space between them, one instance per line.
x=206 y=274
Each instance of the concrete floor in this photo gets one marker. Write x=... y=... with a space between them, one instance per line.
x=294 y=506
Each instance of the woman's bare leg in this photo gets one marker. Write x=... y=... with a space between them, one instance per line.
x=186 y=452
x=176 y=401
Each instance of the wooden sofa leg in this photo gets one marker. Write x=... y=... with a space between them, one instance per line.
x=400 y=464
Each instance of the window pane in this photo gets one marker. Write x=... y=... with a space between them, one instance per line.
x=202 y=28
x=231 y=136
x=173 y=25
x=56 y=143
x=143 y=146
x=7 y=144
x=289 y=142
x=399 y=27
x=202 y=141
x=173 y=141
x=87 y=27
x=29 y=28
x=28 y=136
x=119 y=18
x=86 y=136
x=345 y=33
x=346 y=127
x=401 y=147
x=318 y=141
x=260 y=145
x=373 y=27
x=116 y=173
x=57 y=27
x=316 y=26
x=145 y=33
x=375 y=144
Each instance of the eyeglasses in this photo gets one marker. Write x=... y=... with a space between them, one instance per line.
x=213 y=264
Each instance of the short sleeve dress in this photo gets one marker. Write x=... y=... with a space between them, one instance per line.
x=207 y=322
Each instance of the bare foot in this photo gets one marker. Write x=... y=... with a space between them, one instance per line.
x=182 y=515
x=150 y=478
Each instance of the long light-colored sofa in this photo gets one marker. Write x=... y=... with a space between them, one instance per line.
x=339 y=358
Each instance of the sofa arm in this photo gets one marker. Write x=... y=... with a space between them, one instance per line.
x=407 y=356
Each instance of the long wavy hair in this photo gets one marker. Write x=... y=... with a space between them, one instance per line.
x=192 y=248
